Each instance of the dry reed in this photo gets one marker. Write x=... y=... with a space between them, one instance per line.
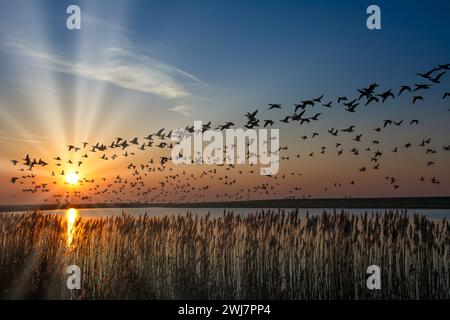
x=267 y=255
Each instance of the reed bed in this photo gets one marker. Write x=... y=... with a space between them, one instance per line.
x=271 y=254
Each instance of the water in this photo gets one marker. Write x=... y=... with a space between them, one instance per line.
x=215 y=212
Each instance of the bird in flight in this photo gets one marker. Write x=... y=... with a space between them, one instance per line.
x=427 y=75
x=417 y=98
x=342 y=99
x=274 y=106
x=268 y=123
x=404 y=88
x=350 y=129
x=437 y=78
x=386 y=95
x=421 y=87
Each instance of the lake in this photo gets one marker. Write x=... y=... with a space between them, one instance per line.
x=159 y=211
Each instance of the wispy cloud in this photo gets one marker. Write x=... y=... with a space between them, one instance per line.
x=185 y=110
x=30 y=139
x=121 y=66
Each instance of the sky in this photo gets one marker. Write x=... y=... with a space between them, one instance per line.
x=138 y=66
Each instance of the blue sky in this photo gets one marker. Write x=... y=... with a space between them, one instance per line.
x=219 y=58
x=285 y=49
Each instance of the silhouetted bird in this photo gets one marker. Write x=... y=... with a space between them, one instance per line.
x=404 y=88
x=342 y=99
x=274 y=106
x=268 y=123
x=421 y=87
x=437 y=78
x=417 y=98
x=386 y=95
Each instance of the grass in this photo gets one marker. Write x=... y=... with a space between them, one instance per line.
x=267 y=255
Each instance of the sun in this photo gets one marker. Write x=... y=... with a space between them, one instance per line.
x=72 y=178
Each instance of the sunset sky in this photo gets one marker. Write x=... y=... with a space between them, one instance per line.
x=138 y=66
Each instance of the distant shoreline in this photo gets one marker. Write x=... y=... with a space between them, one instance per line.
x=338 y=203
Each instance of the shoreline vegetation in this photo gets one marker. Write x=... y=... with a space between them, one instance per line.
x=347 y=203
x=264 y=255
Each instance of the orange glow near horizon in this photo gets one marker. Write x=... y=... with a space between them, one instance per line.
x=71 y=216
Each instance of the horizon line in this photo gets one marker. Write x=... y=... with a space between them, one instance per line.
x=435 y=202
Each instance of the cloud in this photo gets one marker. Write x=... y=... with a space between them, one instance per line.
x=183 y=109
x=31 y=139
x=120 y=66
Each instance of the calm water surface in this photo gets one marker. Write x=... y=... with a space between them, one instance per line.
x=105 y=212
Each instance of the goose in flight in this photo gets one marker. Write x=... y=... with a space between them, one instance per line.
x=159 y=133
x=299 y=106
x=434 y=181
x=404 y=88
x=225 y=126
x=437 y=78
x=349 y=129
x=421 y=87
x=286 y=119
x=417 y=98
x=427 y=75
x=349 y=104
x=351 y=108
x=328 y=105
x=342 y=99
x=319 y=99
x=386 y=95
x=251 y=115
x=274 y=106
x=71 y=147
x=386 y=123
x=268 y=123
x=333 y=132
x=370 y=99
x=308 y=103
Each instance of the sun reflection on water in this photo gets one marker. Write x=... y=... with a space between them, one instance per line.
x=71 y=216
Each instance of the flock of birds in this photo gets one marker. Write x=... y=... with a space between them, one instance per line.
x=157 y=180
